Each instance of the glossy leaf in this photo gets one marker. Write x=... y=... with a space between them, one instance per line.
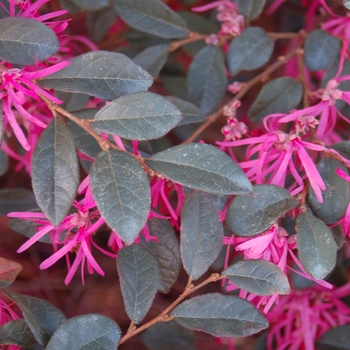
x=55 y=174
x=139 y=278
x=280 y=95
x=42 y=317
x=250 y=9
x=103 y=74
x=320 y=50
x=166 y=252
x=16 y=199
x=201 y=234
x=207 y=80
x=86 y=332
x=336 y=197
x=4 y=161
x=152 y=16
x=139 y=116
x=250 y=50
x=202 y=167
x=220 y=315
x=8 y=272
x=121 y=190
x=16 y=332
x=260 y=277
x=337 y=338
x=191 y=114
x=316 y=247
x=91 y=5
x=250 y=215
x=152 y=59
x=26 y=41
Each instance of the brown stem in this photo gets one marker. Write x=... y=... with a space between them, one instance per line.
x=302 y=78
x=191 y=38
x=276 y=36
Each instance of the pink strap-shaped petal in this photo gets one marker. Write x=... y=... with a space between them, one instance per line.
x=35 y=238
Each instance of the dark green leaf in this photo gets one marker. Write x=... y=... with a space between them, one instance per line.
x=250 y=50
x=42 y=317
x=72 y=102
x=69 y=5
x=336 y=197
x=260 y=277
x=91 y=5
x=140 y=40
x=26 y=41
x=338 y=235
x=166 y=252
x=280 y=95
x=250 y=215
x=87 y=332
x=139 y=116
x=337 y=338
x=152 y=16
x=16 y=199
x=191 y=114
x=207 y=79
x=4 y=160
x=121 y=190
x=320 y=50
x=103 y=74
x=139 y=279
x=8 y=272
x=17 y=333
x=176 y=85
x=55 y=175
x=220 y=315
x=201 y=234
x=343 y=148
x=202 y=167
x=316 y=247
x=168 y=336
x=250 y=9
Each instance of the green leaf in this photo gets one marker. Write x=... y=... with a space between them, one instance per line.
x=316 y=247
x=42 y=317
x=343 y=148
x=26 y=41
x=337 y=338
x=153 y=58
x=336 y=197
x=260 y=277
x=8 y=272
x=4 y=159
x=166 y=252
x=55 y=174
x=86 y=332
x=250 y=215
x=250 y=50
x=121 y=191
x=202 y=167
x=191 y=114
x=168 y=336
x=201 y=234
x=220 y=315
x=72 y=102
x=320 y=50
x=250 y=9
x=16 y=332
x=207 y=79
x=103 y=74
x=153 y=17
x=69 y=5
x=91 y=5
x=338 y=235
x=16 y=199
x=139 y=116
x=139 y=278
x=280 y=95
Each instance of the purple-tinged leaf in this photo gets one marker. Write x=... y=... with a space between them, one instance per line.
x=91 y=5
x=16 y=199
x=16 y=332
x=8 y=272
x=250 y=9
x=191 y=114
x=337 y=338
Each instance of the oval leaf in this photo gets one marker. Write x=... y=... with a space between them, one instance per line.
x=42 y=317
x=17 y=333
x=103 y=74
x=166 y=252
x=26 y=41
x=201 y=234
x=91 y=331
x=220 y=315
x=207 y=79
x=316 y=247
x=280 y=95
x=140 y=116
x=337 y=338
x=191 y=114
x=8 y=272
x=16 y=199
x=260 y=277
x=250 y=9
x=202 y=167
x=250 y=50
x=121 y=190
x=250 y=215
x=91 y=5
x=153 y=17
x=343 y=148
x=55 y=175
x=336 y=197
x=139 y=278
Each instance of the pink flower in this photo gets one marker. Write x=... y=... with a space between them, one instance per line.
x=234 y=129
x=7 y=315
